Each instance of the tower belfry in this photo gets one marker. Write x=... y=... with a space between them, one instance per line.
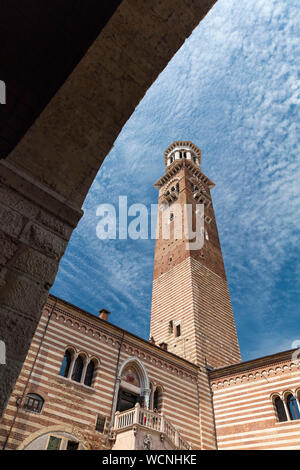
x=191 y=308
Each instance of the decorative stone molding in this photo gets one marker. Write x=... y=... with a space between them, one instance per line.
x=254 y=375
x=173 y=169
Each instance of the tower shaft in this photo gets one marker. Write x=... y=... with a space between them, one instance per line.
x=191 y=308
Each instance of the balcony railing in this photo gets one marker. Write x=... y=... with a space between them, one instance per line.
x=151 y=420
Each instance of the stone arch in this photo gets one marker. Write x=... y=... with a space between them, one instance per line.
x=135 y=361
x=52 y=429
x=145 y=383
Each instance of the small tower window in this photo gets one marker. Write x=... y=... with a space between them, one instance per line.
x=178 y=330
x=171 y=217
x=171 y=327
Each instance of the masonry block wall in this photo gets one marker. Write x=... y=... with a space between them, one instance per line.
x=75 y=406
x=243 y=398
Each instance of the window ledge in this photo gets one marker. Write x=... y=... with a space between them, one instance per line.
x=73 y=383
x=31 y=411
x=286 y=423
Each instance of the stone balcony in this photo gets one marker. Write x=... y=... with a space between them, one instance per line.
x=141 y=429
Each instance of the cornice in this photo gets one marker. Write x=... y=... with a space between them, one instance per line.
x=178 y=165
x=268 y=366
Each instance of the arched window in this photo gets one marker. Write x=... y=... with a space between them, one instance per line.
x=293 y=407
x=33 y=403
x=89 y=373
x=281 y=414
x=78 y=368
x=65 y=366
x=157 y=399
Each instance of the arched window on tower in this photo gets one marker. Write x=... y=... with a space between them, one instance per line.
x=280 y=410
x=292 y=407
x=65 y=366
x=78 y=368
x=89 y=375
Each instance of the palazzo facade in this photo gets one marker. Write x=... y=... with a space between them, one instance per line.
x=88 y=384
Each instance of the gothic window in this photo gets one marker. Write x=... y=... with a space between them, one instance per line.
x=293 y=407
x=171 y=327
x=89 y=373
x=78 y=368
x=65 y=367
x=178 y=330
x=33 y=403
x=281 y=414
x=100 y=423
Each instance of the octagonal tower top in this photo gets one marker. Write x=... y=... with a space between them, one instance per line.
x=182 y=149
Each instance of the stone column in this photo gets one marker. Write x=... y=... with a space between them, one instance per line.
x=70 y=373
x=176 y=439
x=286 y=410
x=35 y=227
x=137 y=413
x=86 y=363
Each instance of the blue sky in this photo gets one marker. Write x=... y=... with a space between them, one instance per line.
x=232 y=89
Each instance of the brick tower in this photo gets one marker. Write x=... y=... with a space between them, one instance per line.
x=191 y=308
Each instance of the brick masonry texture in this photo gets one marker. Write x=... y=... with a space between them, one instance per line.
x=244 y=411
x=190 y=287
x=76 y=405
